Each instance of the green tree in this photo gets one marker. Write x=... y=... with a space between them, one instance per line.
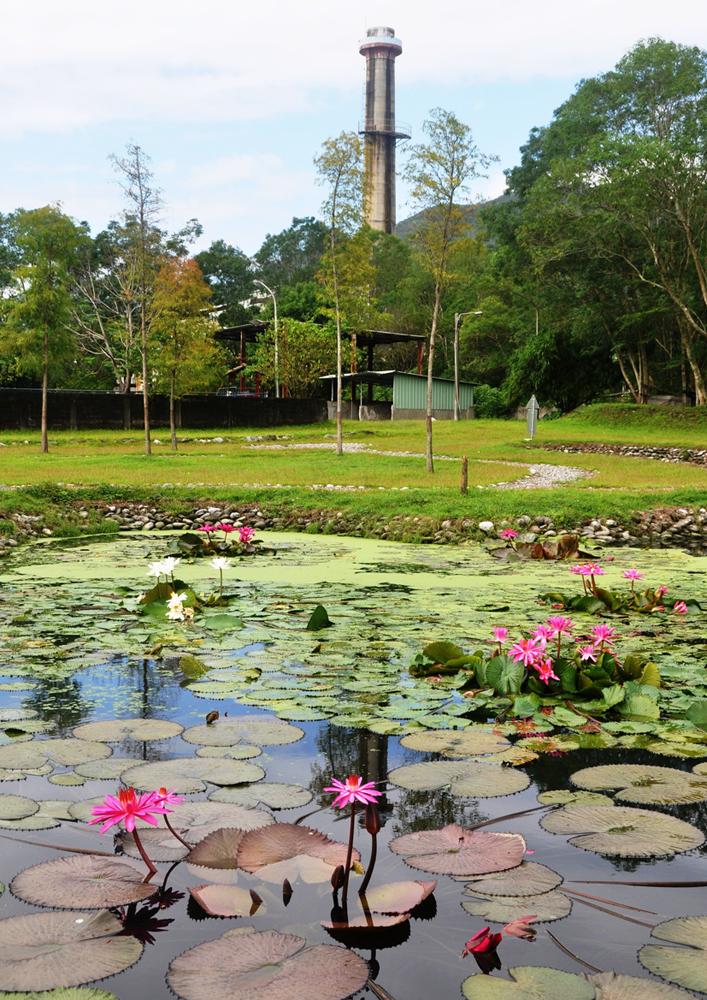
x=37 y=311
x=292 y=256
x=230 y=274
x=439 y=172
x=183 y=355
x=340 y=170
x=306 y=352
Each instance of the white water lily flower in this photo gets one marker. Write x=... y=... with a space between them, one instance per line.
x=170 y=564
x=176 y=602
x=156 y=569
x=220 y=563
x=176 y=614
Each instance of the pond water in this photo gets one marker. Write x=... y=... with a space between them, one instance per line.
x=72 y=652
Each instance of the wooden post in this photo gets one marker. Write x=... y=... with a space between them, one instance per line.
x=465 y=475
x=242 y=380
x=420 y=349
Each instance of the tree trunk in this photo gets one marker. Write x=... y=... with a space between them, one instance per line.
x=45 y=378
x=145 y=397
x=689 y=346
x=172 y=427
x=627 y=380
x=430 y=361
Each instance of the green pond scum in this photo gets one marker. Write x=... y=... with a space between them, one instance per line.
x=514 y=766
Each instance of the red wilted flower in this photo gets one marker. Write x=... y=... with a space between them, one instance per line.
x=519 y=928
x=127 y=807
x=680 y=608
x=353 y=791
x=481 y=943
x=245 y=535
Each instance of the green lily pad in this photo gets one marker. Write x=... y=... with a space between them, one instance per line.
x=222 y=623
x=196 y=820
x=116 y=730
x=528 y=879
x=50 y=812
x=609 y=986
x=17 y=807
x=565 y=797
x=644 y=784
x=319 y=619
x=66 y=778
x=21 y=756
x=455 y=744
x=442 y=652
x=464 y=777
x=189 y=774
x=530 y=982
x=504 y=909
x=685 y=751
x=685 y=966
x=623 y=831
x=257 y=729
x=73 y=993
x=239 y=752
x=106 y=770
x=269 y=793
x=43 y=951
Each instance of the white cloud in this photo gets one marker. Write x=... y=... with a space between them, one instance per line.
x=78 y=63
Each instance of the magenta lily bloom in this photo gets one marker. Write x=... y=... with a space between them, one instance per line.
x=245 y=535
x=208 y=528
x=225 y=528
x=544 y=669
x=604 y=635
x=165 y=798
x=127 y=807
x=541 y=635
x=508 y=533
x=680 y=608
x=526 y=650
x=352 y=790
x=500 y=635
x=560 y=625
x=659 y=591
x=482 y=942
x=588 y=653
x=633 y=574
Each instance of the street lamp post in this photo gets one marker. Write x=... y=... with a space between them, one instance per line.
x=257 y=281
x=457 y=317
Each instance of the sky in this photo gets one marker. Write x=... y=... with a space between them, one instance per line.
x=232 y=100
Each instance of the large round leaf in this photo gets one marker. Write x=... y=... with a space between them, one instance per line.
x=566 y=797
x=700 y=768
x=621 y=830
x=530 y=983
x=456 y=851
x=609 y=986
x=528 y=879
x=226 y=900
x=81 y=881
x=685 y=966
x=219 y=850
x=17 y=807
x=41 y=951
x=72 y=993
x=644 y=783
x=160 y=845
x=243 y=965
x=37 y=752
x=196 y=820
x=455 y=744
x=115 y=730
x=270 y=793
x=106 y=770
x=242 y=751
x=398 y=897
x=503 y=909
x=244 y=729
x=47 y=816
x=188 y=774
x=467 y=778
x=288 y=851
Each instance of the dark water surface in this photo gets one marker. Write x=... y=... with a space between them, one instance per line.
x=418 y=965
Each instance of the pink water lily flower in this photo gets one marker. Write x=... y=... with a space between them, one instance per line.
x=595 y=570
x=208 y=528
x=527 y=650
x=604 y=635
x=659 y=591
x=352 y=790
x=578 y=570
x=225 y=528
x=165 y=798
x=633 y=574
x=500 y=635
x=508 y=533
x=128 y=807
x=541 y=635
x=245 y=535
x=588 y=653
x=482 y=942
x=519 y=928
x=680 y=608
x=560 y=625
x=544 y=669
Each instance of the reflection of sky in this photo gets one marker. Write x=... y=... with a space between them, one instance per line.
x=428 y=963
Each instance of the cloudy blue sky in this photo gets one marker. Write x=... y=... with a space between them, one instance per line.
x=232 y=99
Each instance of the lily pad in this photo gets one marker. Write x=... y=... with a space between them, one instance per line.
x=269 y=793
x=623 y=831
x=546 y=906
x=528 y=879
x=42 y=951
x=289 y=851
x=530 y=982
x=398 y=897
x=685 y=966
x=466 y=778
x=609 y=986
x=245 y=965
x=700 y=768
x=222 y=622
x=106 y=770
x=81 y=881
x=115 y=730
x=48 y=815
x=242 y=751
x=73 y=993
x=160 y=845
x=35 y=754
x=196 y=820
x=189 y=774
x=17 y=807
x=66 y=778
x=456 y=851
x=243 y=728
x=219 y=850
x=566 y=797
x=226 y=900
x=455 y=744
x=643 y=783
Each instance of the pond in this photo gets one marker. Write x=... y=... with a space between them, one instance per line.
x=343 y=701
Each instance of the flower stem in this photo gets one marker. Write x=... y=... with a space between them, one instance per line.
x=175 y=834
x=143 y=855
x=371 y=864
x=345 y=888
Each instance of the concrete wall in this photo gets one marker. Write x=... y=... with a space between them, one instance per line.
x=21 y=409
x=375 y=411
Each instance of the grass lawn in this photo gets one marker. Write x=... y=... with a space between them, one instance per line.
x=100 y=461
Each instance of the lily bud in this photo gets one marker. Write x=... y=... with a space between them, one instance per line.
x=337 y=878
x=373 y=819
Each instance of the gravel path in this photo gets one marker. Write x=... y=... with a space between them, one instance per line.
x=539 y=476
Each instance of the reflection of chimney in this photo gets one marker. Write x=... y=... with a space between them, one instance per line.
x=380 y=47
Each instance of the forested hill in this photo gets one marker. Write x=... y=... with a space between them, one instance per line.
x=408 y=226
